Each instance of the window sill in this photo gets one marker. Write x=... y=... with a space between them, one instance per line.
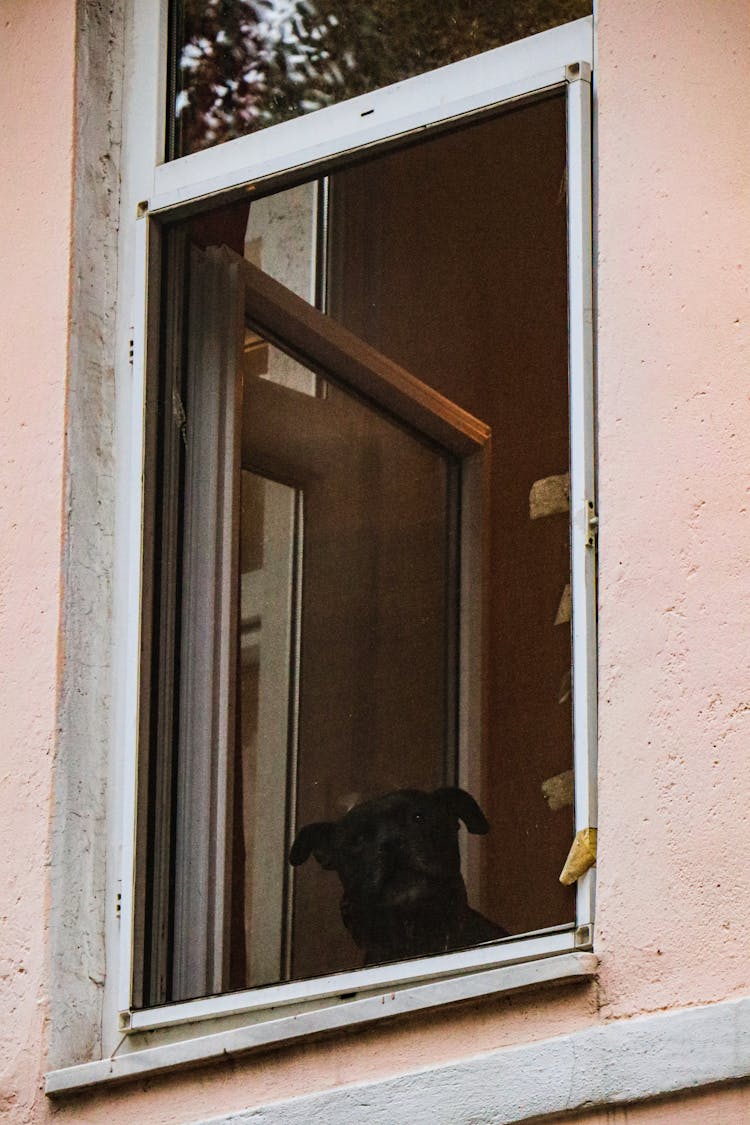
x=202 y=1049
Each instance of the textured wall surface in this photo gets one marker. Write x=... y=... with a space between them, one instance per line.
x=674 y=423
x=79 y=829
x=717 y=1107
x=36 y=116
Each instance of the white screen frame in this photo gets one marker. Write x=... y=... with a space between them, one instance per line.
x=557 y=58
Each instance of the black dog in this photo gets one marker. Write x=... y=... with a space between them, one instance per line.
x=398 y=861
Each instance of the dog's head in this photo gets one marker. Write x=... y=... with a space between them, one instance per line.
x=394 y=852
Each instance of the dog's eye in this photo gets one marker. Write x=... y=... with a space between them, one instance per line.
x=417 y=817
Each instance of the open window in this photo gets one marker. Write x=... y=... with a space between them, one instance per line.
x=320 y=490
x=367 y=545
x=360 y=580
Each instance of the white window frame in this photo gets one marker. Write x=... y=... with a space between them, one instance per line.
x=559 y=58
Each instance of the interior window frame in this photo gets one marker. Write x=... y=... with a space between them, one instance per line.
x=155 y=192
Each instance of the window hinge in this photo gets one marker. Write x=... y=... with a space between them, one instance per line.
x=592 y=524
x=131 y=350
x=118 y=905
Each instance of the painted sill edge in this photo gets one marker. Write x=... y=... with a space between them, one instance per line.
x=205 y=1049
x=359 y=983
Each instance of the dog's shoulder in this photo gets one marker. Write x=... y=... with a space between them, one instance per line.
x=477 y=929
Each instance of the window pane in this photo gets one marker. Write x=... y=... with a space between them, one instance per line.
x=309 y=659
x=310 y=605
x=351 y=628
x=270 y=544
x=241 y=65
x=450 y=257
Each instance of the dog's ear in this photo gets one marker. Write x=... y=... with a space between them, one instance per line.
x=314 y=839
x=462 y=805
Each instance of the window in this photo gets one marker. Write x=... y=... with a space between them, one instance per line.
x=366 y=543
x=244 y=65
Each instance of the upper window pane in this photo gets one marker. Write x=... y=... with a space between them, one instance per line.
x=240 y=65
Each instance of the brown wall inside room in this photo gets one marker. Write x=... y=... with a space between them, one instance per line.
x=450 y=257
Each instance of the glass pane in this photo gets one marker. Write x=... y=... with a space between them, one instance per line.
x=355 y=696
x=308 y=553
x=241 y=65
x=307 y=657
x=450 y=257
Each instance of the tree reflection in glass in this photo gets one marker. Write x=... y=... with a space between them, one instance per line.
x=241 y=65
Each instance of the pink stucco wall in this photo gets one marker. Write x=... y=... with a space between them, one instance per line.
x=36 y=119
x=674 y=423
x=715 y=1107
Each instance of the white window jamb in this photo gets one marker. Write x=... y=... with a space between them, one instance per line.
x=143 y=141
x=584 y=519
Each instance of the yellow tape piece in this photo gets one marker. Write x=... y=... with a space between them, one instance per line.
x=581 y=856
